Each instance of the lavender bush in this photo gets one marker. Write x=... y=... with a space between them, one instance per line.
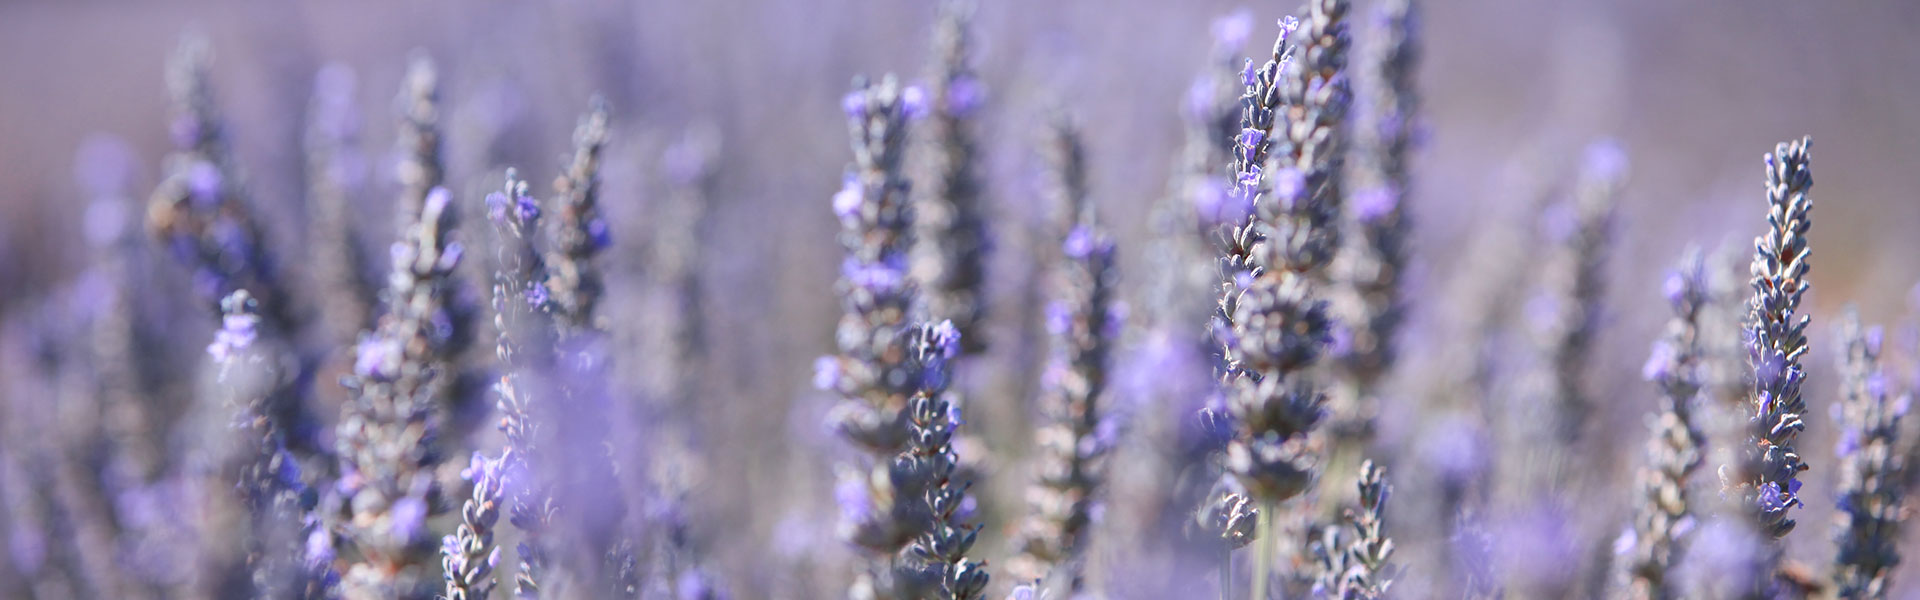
x=1376 y=338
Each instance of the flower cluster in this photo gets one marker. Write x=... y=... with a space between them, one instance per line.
x=579 y=232
x=1765 y=475
x=1371 y=268
x=1664 y=513
x=937 y=566
x=951 y=257
x=388 y=437
x=1357 y=568
x=1871 y=467
x=1084 y=323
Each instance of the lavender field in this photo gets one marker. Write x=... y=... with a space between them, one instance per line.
x=958 y=299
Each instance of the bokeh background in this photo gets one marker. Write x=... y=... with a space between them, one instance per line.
x=1694 y=91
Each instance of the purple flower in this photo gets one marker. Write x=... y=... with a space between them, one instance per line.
x=855 y=502
x=409 y=516
x=854 y=104
x=1059 y=317
x=1200 y=99
x=1081 y=242
x=964 y=95
x=497 y=208
x=600 y=233
x=238 y=331
x=913 y=102
x=1660 y=362
x=1289 y=187
x=1230 y=31
x=1374 y=203
x=847 y=201
x=826 y=373
x=203 y=182
x=526 y=209
x=1251 y=138
x=376 y=358
x=947 y=339
x=537 y=295
x=437 y=200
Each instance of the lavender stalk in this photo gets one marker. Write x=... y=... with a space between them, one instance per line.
x=422 y=167
x=873 y=371
x=951 y=257
x=1764 y=480
x=580 y=233
x=523 y=344
x=1371 y=268
x=1867 y=529
x=278 y=502
x=1358 y=569
x=937 y=567
x=388 y=435
x=200 y=211
x=335 y=168
x=1277 y=261
x=1084 y=322
x=468 y=555
x=1664 y=513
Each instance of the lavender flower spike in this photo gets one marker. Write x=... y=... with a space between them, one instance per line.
x=468 y=555
x=279 y=505
x=951 y=257
x=1260 y=106
x=1867 y=528
x=1084 y=323
x=388 y=434
x=422 y=166
x=937 y=565
x=579 y=232
x=877 y=371
x=200 y=211
x=1765 y=476
x=874 y=289
x=524 y=345
x=1372 y=266
x=335 y=168
x=1359 y=569
x=1663 y=512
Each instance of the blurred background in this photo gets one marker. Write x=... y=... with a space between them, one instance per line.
x=1694 y=92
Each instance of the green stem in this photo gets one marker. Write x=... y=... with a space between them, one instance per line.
x=1226 y=572
x=1263 y=553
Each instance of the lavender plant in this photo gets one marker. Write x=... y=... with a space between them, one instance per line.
x=1084 y=322
x=1867 y=529
x=1357 y=568
x=1290 y=177
x=1371 y=267
x=468 y=555
x=937 y=566
x=873 y=371
x=524 y=345
x=600 y=556
x=579 y=233
x=387 y=436
x=335 y=168
x=269 y=481
x=1664 y=513
x=950 y=221
x=200 y=212
x=421 y=168
x=1765 y=478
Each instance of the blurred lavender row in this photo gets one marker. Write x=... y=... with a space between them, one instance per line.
x=975 y=348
